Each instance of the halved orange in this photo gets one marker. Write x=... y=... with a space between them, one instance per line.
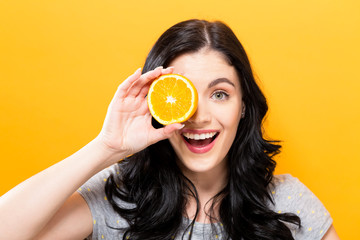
x=172 y=98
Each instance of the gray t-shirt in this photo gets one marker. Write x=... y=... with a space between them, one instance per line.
x=289 y=193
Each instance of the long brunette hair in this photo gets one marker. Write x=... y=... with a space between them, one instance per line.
x=152 y=182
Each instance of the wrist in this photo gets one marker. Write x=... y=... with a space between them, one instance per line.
x=110 y=155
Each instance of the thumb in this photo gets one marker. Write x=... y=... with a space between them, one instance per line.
x=166 y=132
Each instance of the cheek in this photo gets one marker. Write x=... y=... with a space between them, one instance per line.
x=175 y=141
x=228 y=115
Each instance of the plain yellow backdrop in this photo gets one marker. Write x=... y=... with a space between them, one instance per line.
x=61 y=62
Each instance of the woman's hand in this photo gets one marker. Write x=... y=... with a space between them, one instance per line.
x=127 y=128
x=43 y=212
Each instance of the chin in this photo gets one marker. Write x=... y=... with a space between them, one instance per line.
x=200 y=156
x=201 y=165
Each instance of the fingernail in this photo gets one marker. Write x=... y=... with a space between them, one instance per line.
x=169 y=68
x=138 y=70
x=182 y=126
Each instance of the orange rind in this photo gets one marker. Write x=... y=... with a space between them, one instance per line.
x=172 y=98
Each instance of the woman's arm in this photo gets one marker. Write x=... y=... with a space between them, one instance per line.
x=331 y=234
x=42 y=204
x=26 y=209
x=72 y=221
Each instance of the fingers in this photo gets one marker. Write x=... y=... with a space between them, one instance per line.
x=145 y=89
x=165 y=132
x=168 y=70
x=125 y=85
x=138 y=85
x=146 y=78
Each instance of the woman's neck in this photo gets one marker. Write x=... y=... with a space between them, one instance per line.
x=208 y=184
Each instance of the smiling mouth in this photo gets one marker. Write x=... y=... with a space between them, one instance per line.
x=200 y=140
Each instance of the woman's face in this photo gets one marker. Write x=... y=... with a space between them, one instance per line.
x=202 y=145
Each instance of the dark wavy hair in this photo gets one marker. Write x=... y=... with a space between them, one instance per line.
x=156 y=188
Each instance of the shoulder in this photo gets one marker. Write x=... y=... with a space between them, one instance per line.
x=94 y=188
x=286 y=184
x=292 y=196
x=105 y=219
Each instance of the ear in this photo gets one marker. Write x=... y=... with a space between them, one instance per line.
x=243 y=111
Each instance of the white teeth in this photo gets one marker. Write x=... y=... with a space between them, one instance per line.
x=201 y=136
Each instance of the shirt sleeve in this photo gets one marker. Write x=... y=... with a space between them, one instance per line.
x=105 y=219
x=292 y=196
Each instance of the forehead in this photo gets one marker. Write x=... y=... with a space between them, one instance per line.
x=204 y=66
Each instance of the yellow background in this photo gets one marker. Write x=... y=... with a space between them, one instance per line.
x=61 y=62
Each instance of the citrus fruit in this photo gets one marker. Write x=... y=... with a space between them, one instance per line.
x=172 y=98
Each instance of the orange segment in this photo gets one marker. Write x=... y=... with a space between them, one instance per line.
x=172 y=98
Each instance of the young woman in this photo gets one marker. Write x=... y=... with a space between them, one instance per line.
x=208 y=178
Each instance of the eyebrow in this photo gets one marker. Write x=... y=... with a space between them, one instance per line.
x=220 y=80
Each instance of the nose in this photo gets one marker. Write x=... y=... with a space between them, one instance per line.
x=202 y=115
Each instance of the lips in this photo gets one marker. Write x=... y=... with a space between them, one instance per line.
x=199 y=141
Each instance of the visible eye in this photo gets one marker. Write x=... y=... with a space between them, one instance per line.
x=220 y=95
